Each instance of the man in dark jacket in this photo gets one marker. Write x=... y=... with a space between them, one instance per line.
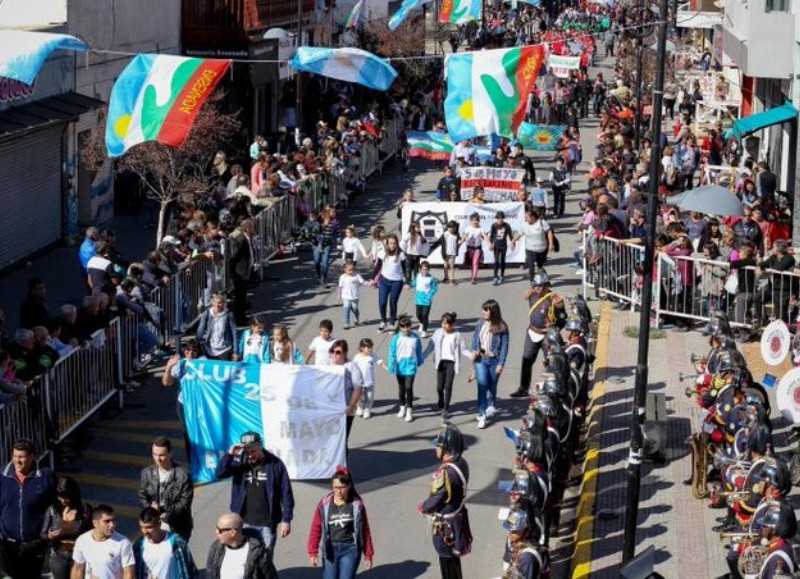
x=241 y=261
x=33 y=311
x=166 y=486
x=245 y=545
x=261 y=491
x=25 y=494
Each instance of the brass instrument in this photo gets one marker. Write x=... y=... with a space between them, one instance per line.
x=751 y=561
x=734 y=494
x=741 y=535
x=690 y=391
x=699 y=446
x=697 y=358
x=682 y=376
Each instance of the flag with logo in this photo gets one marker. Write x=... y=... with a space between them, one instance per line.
x=487 y=91
x=402 y=13
x=355 y=15
x=157 y=98
x=460 y=11
x=540 y=137
x=429 y=145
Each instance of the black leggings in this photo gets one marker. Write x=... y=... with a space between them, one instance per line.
x=412 y=267
x=450 y=567
x=423 y=315
x=405 y=390
x=445 y=376
x=500 y=259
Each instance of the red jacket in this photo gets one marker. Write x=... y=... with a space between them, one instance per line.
x=319 y=528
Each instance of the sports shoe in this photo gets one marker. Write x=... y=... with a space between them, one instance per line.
x=367 y=414
x=409 y=417
x=402 y=412
x=359 y=411
x=345 y=327
x=519 y=393
x=381 y=327
x=481 y=422
x=491 y=411
x=500 y=280
x=423 y=334
x=496 y=281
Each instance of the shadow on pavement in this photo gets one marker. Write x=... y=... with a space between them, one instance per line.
x=404 y=570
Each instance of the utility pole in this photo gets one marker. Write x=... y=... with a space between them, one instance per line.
x=640 y=387
x=298 y=105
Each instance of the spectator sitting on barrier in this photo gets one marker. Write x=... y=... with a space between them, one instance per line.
x=127 y=302
x=156 y=270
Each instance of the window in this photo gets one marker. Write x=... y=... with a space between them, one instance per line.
x=778 y=5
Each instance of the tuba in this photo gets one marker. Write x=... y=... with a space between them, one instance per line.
x=751 y=561
x=699 y=446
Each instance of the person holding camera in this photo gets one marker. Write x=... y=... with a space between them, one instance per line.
x=261 y=491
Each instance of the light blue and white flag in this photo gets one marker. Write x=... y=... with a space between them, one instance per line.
x=402 y=13
x=348 y=64
x=23 y=52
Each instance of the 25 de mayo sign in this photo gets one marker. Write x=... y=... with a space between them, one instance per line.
x=498 y=184
x=299 y=410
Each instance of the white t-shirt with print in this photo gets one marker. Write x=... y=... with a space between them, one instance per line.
x=158 y=558
x=103 y=559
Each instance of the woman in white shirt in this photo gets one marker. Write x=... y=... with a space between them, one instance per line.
x=390 y=281
x=538 y=240
x=474 y=236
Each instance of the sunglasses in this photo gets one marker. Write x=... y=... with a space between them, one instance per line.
x=337 y=352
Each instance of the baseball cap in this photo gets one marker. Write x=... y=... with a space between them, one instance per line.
x=250 y=438
x=171 y=239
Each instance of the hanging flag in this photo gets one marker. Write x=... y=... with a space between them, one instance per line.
x=355 y=14
x=540 y=137
x=157 y=98
x=487 y=91
x=429 y=145
x=460 y=11
x=402 y=13
x=348 y=64
x=23 y=52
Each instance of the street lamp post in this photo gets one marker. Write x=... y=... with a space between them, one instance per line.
x=298 y=106
x=640 y=388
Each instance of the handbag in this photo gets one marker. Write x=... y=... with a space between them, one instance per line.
x=732 y=283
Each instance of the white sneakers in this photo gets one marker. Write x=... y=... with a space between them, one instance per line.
x=359 y=411
x=423 y=334
x=367 y=414
x=481 y=422
x=402 y=412
x=409 y=417
x=491 y=411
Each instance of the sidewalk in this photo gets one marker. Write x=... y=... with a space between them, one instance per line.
x=670 y=519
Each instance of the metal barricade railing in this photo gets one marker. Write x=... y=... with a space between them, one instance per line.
x=81 y=382
x=612 y=268
x=26 y=418
x=691 y=288
x=775 y=296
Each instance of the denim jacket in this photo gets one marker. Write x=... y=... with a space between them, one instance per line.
x=499 y=343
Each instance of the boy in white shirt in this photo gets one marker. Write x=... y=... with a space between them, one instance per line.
x=366 y=362
x=349 y=283
x=318 y=350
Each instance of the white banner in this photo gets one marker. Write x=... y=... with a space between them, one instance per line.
x=562 y=65
x=498 y=184
x=433 y=218
x=286 y=49
x=303 y=413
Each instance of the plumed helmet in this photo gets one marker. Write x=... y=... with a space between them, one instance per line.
x=530 y=447
x=780 y=517
x=575 y=324
x=551 y=386
x=759 y=440
x=518 y=520
x=776 y=473
x=534 y=421
x=581 y=308
x=546 y=405
x=540 y=278
x=450 y=440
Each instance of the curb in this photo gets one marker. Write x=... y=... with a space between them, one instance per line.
x=581 y=565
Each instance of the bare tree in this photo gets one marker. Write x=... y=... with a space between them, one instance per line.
x=172 y=174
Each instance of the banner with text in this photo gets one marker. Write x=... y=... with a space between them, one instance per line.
x=433 y=218
x=499 y=184
x=562 y=65
x=299 y=411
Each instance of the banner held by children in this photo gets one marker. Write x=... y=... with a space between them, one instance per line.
x=300 y=410
x=562 y=65
x=434 y=217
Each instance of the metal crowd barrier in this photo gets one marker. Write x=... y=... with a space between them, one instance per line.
x=688 y=287
x=26 y=418
x=81 y=382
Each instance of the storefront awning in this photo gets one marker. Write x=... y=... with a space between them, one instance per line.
x=758 y=121
x=49 y=111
